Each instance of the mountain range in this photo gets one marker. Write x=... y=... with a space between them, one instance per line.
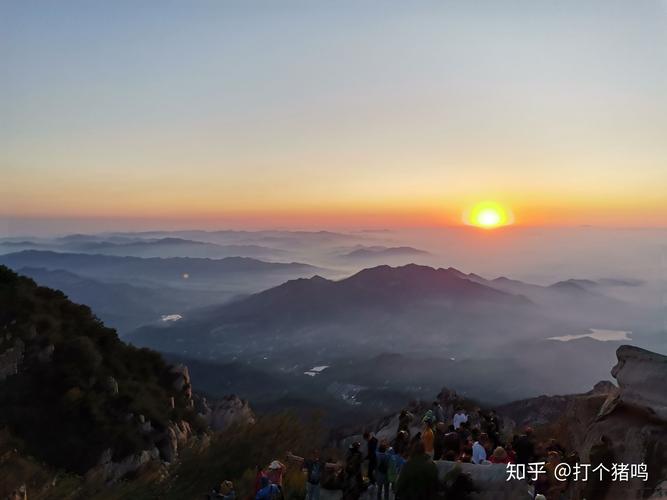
x=386 y=332
x=236 y=274
x=143 y=247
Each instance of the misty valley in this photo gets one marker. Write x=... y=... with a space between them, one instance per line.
x=349 y=324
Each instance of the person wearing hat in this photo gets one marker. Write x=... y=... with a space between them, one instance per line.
x=428 y=439
x=275 y=473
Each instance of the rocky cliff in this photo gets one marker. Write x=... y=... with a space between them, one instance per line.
x=75 y=396
x=228 y=411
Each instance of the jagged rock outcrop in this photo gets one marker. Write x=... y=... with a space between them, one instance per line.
x=80 y=399
x=225 y=412
x=45 y=355
x=11 y=358
x=183 y=383
x=108 y=471
x=641 y=377
x=176 y=437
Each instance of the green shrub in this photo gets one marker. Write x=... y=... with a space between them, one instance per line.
x=63 y=408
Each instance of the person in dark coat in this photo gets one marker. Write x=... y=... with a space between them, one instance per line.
x=372 y=446
x=419 y=477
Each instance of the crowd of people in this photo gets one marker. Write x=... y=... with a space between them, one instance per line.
x=405 y=465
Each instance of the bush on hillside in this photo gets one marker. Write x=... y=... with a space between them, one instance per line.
x=80 y=389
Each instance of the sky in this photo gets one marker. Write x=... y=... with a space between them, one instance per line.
x=328 y=114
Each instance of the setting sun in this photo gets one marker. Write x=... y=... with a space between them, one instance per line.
x=488 y=215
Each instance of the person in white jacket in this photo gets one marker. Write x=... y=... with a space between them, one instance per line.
x=459 y=417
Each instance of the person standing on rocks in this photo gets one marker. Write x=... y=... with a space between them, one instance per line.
x=314 y=467
x=353 y=482
x=401 y=442
x=371 y=456
x=275 y=473
x=268 y=491
x=478 y=447
x=439 y=444
x=525 y=447
x=428 y=439
x=382 y=473
x=419 y=477
x=404 y=421
x=438 y=411
x=459 y=417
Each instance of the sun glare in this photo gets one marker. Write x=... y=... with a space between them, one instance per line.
x=488 y=215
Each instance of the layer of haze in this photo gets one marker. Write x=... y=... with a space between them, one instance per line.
x=320 y=114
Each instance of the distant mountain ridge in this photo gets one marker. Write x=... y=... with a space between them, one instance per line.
x=133 y=269
x=144 y=247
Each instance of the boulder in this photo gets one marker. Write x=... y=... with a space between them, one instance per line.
x=175 y=438
x=182 y=383
x=641 y=377
x=489 y=480
x=11 y=359
x=111 y=385
x=45 y=355
x=109 y=471
x=225 y=412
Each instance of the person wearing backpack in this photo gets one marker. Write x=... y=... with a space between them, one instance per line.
x=269 y=491
x=314 y=467
x=382 y=468
x=396 y=462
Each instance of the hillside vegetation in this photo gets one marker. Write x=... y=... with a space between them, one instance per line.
x=69 y=388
